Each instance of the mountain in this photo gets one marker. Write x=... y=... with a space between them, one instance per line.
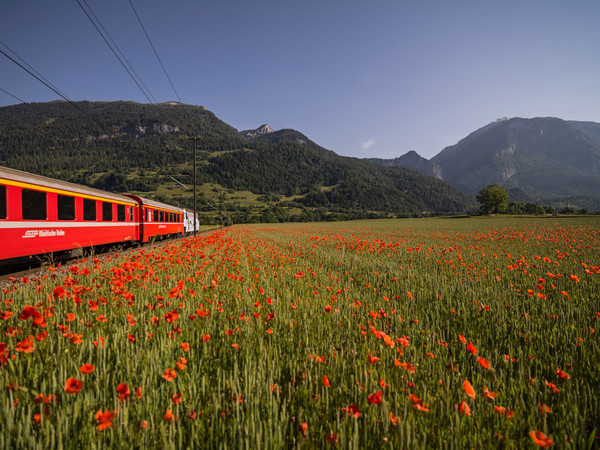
x=544 y=157
x=412 y=160
x=262 y=130
x=254 y=175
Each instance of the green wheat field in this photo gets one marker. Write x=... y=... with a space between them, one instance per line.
x=424 y=333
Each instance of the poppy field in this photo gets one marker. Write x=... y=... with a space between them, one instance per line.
x=431 y=333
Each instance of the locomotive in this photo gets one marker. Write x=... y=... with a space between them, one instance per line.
x=41 y=215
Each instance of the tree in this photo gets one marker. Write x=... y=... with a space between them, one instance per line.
x=493 y=198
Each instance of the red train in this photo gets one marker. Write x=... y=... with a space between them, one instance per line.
x=40 y=215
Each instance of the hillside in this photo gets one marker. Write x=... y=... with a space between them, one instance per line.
x=545 y=157
x=412 y=160
x=269 y=176
x=545 y=160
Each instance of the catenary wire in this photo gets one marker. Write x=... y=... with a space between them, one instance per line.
x=155 y=52
x=32 y=69
x=113 y=50
x=120 y=52
x=13 y=96
x=51 y=87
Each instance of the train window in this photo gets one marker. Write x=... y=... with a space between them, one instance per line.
x=131 y=213
x=162 y=216
x=33 y=204
x=156 y=215
x=89 y=209
x=2 y=202
x=107 y=212
x=170 y=217
x=121 y=213
x=66 y=207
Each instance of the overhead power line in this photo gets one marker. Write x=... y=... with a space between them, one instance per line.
x=13 y=96
x=155 y=52
x=120 y=52
x=47 y=84
x=110 y=46
x=41 y=77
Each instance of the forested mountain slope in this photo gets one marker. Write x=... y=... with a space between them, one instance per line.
x=126 y=146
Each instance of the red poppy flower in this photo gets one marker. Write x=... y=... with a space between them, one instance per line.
x=73 y=386
x=483 y=363
x=104 y=419
x=488 y=394
x=418 y=404
x=169 y=416
x=472 y=348
x=332 y=438
x=352 y=410
x=509 y=413
x=41 y=336
x=463 y=408
x=58 y=292
x=176 y=398
x=303 y=428
x=185 y=346
x=169 y=374
x=326 y=381
x=86 y=369
x=374 y=398
x=541 y=439
x=372 y=359
x=123 y=391
x=25 y=346
x=469 y=389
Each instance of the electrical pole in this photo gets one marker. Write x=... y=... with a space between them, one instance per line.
x=195 y=224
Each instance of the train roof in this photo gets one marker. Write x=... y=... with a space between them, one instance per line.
x=45 y=182
x=155 y=204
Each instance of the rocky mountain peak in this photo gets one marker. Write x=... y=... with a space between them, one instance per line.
x=262 y=130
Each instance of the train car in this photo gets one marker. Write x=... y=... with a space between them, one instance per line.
x=188 y=222
x=158 y=220
x=40 y=215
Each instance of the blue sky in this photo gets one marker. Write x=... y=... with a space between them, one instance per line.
x=364 y=79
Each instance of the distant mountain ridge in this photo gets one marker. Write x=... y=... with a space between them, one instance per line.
x=544 y=158
x=412 y=160
x=547 y=157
